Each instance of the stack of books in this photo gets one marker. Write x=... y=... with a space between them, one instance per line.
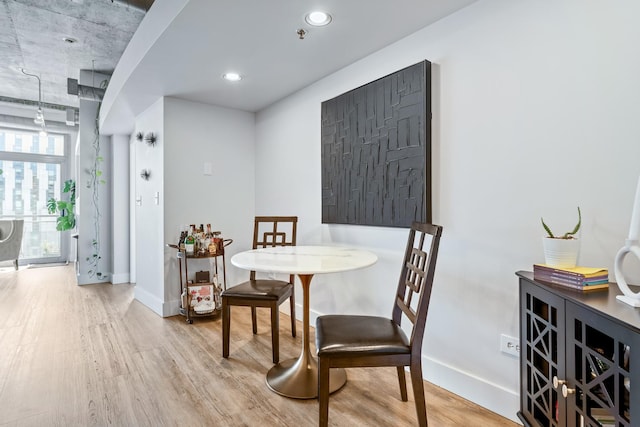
x=579 y=278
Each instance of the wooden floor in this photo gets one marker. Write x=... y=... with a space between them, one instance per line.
x=92 y=356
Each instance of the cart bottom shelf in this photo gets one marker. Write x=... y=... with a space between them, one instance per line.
x=194 y=315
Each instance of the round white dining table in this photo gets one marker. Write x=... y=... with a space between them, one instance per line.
x=298 y=378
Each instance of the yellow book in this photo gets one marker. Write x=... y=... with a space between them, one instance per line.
x=585 y=272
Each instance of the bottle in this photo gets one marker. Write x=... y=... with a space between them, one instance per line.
x=189 y=244
x=217 y=290
x=217 y=241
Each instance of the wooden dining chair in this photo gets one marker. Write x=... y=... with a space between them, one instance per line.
x=347 y=341
x=268 y=231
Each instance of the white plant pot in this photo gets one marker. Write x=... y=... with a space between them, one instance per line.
x=561 y=252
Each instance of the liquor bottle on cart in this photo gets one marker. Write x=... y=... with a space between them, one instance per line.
x=189 y=244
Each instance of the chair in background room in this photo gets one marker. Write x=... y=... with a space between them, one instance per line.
x=347 y=341
x=268 y=231
x=11 y=240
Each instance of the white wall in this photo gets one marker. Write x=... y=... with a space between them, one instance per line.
x=120 y=239
x=534 y=114
x=149 y=217
x=197 y=134
x=132 y=208
x=189 y=135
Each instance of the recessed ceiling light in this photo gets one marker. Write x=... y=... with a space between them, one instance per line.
x=232 y=77
x=318 y=18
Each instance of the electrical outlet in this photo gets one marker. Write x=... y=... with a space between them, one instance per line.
x=510 y=345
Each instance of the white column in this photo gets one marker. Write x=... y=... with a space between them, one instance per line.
x=120 y=235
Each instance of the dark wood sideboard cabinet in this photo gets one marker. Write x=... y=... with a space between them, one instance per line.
x=579 y=357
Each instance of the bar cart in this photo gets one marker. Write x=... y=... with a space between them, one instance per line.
x=201 y=297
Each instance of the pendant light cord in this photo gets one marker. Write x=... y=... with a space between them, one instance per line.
x=39 y=86
x=39 y=120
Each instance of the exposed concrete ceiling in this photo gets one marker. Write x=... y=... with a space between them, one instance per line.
x=32 y=34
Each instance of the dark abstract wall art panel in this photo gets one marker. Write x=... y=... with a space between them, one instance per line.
x=376 y=151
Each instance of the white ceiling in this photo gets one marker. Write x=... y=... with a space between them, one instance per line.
x=257 y=39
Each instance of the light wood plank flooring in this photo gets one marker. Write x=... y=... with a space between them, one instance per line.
x=93 y=356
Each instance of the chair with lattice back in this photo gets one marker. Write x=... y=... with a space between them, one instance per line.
x=347 y=341
x=268 y=231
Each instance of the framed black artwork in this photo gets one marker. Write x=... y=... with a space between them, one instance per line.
x=376 y=151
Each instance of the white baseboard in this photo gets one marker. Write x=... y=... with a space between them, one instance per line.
x=149 y=300
x=161 y=308
x=171 y=308
x=478 y=390
x=85 y=279
x=491 y=396
x=120 y=278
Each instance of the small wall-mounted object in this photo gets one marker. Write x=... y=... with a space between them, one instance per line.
x=208 y=168
x=139 y=201
x=151 y=139
x=145 y=174
x=139 y=136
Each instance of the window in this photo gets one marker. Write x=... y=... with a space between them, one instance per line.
x=33 y=170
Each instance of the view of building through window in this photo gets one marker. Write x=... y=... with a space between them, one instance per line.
x=32 y=169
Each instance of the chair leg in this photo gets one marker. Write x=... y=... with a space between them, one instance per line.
x=292 y=303
x=418 y=392
x=275 y=333
x=226 y=326
x=15 y=264
x=254 y=320
x=403 y=383
x=323 y=392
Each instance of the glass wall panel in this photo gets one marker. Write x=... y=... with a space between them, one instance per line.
x=32 y=172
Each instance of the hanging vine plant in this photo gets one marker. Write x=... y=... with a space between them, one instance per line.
x=95 y=180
